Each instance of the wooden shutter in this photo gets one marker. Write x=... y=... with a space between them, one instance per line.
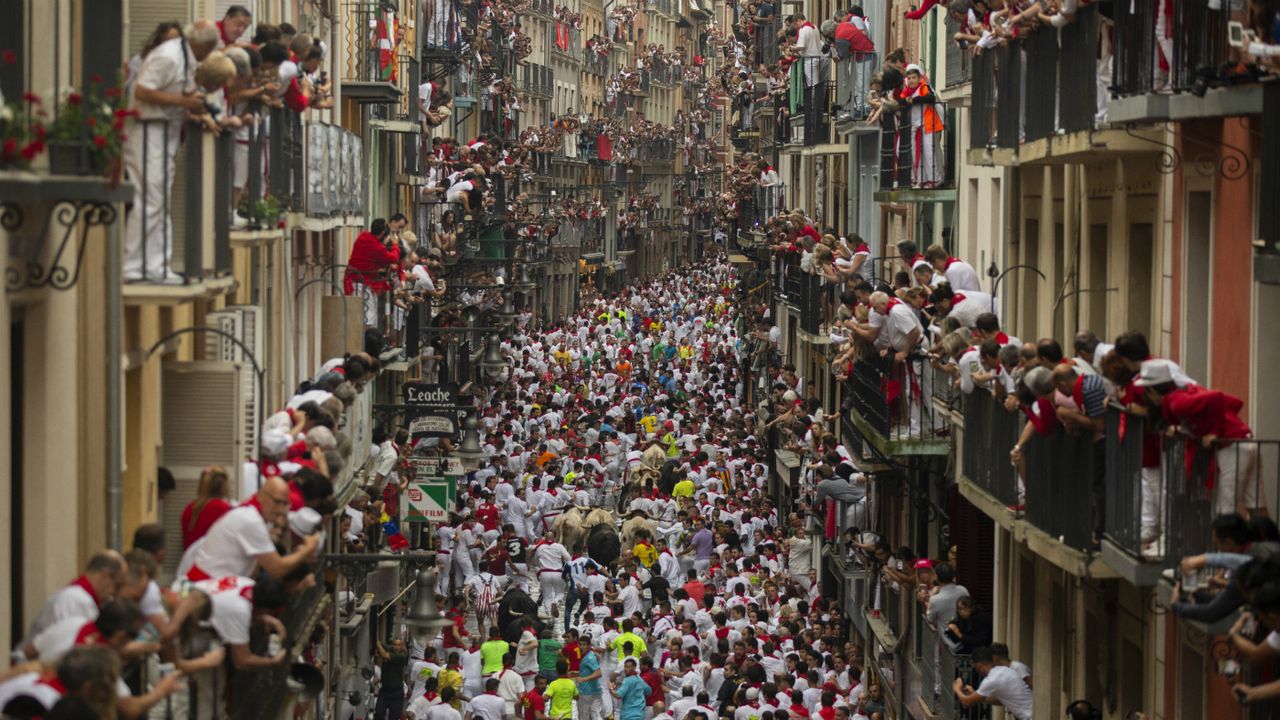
x=201 y=407
x=145 y=15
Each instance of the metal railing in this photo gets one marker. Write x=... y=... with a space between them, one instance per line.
x=167 y=236
x=595 y=63
x=768 y=203
x=1059 y=472
x=914 y=145
x=542 y=7
x=990 y=432
x=940 y=665
x=1064 y=60
x=444 y=25
x=765 y=44
x=812 y=113
x=853 y=82
x=1197 y=45
x=370 y=44
x=894 y=398
x=537 y=79
x=1126 y=435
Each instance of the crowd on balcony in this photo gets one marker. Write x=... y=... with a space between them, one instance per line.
x=207 y=78
x=117 y=642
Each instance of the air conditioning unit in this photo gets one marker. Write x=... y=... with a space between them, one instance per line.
x=245 y=323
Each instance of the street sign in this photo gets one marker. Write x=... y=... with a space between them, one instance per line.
x=430 y=501
x=433 y=488
x=431 y=410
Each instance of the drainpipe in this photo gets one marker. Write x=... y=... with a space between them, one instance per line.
x=115 y=488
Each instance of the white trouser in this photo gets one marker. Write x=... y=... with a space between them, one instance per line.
x=444 y=562
x=590 y=707
x=521 y=576
x=926 y=162
x=1152 y=501
x=854 y=513
x=552 y=584
x=1237 y=481
x=370 y=299
x=150 y=152
x=462 y=567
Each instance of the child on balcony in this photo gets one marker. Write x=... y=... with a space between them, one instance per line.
x=926 y=129
x=875 y=100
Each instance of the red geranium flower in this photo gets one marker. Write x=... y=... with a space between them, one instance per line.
x=118 y=124
x=95 y=78
x=112 y=92
x=10 y=57
x=74 y=98
x=32 y=149
x=99 y=141
x=122 y=113
x=10 y=147
x=31 y=97
x=91 y=121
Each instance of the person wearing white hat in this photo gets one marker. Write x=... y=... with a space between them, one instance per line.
x=1212 y=418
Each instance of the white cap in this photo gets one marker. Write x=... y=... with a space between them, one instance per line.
x=1154 y=372
x=275 y=443
x=913 y=68
x=305 y=521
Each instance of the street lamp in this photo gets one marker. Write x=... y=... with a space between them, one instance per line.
x=470 y=453
x=493 y=364
x=425 y=618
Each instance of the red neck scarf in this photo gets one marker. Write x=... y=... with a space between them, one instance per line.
x=83 y=583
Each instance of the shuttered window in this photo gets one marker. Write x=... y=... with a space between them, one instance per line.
x=201 y=425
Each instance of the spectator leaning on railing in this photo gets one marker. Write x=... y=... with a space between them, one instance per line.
x=1212 y=419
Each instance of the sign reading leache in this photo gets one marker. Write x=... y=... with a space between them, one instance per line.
x=431 y=410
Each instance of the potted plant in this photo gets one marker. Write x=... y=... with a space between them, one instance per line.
x=22 y=130
x=88 y=132
x=264 y=213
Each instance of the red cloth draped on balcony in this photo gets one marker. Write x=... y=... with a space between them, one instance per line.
x=604 y=148
x=1205 y=412
x=368 y=263
x=387 y=30
x=829 y=527
x=562 y=36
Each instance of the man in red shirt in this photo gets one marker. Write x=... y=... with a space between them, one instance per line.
x=487 y=513
x=533 y=703
x=372 y=255
x=1212 y=417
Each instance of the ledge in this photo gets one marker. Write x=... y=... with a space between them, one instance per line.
x=141 y=293
x=1076 y=562
x=321 y=224
x=1074 y=147
x=396 y=126
x=915 y=195
x=255 y=238
x=907 y=446
x=1163 y=594
x=1137 y=570
x=23 y=186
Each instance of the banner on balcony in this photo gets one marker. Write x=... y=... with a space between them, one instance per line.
x=431 y=410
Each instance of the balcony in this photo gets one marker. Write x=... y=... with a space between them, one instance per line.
x=372 y=71
x=178 y=243
x=893 y=409
x=990 y=431
x=596 y=63
x=656 y=151
x=568 y=43
x=664 y=74
x=1060 y=118
x=444 y=28
x=1192 y=485
x=812 y=116
x=764 y=45
x=939 y=665
x=916 y=165
x=1188 y=88
x=662 y=6
x=544 y=8
x=537 y=80
x=853 y=82
x=809 y=294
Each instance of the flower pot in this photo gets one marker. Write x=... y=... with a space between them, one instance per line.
x=72 y=157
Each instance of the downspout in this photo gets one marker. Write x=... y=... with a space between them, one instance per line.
x=115 y=487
